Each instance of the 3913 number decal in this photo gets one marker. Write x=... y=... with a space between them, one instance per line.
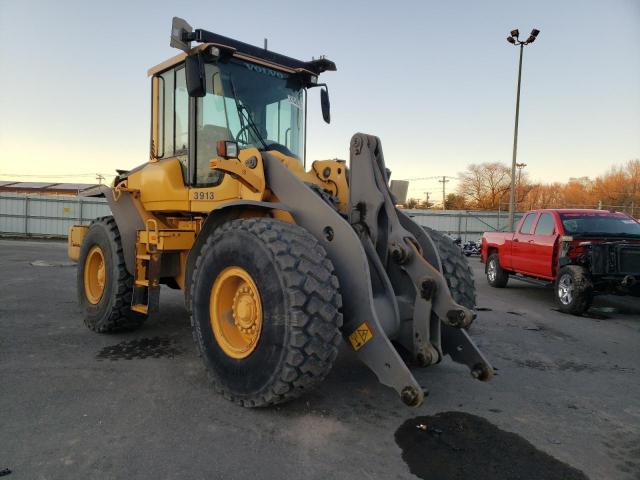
x=203 y=195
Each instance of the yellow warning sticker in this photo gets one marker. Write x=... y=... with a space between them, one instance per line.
x=360 y=336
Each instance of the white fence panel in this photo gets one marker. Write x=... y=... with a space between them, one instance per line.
x=466 y=224
x=47 y=215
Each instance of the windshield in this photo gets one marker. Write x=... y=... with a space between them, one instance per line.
x=600 y=224
x=253 y=105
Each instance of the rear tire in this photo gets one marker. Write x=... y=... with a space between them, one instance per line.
x=299 y=301
x=106 y=302
x=496 y=276
x=573 y=290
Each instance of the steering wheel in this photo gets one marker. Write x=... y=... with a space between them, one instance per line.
x=244 y=131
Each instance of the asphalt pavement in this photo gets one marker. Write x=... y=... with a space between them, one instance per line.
x=78 y=405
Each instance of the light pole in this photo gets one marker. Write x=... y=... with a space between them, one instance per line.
x=514 y=40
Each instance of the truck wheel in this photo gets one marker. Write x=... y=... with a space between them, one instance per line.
x=496 y=276
x=455 y=268
x=103 y=282
x=266 y=310
x=574 y=293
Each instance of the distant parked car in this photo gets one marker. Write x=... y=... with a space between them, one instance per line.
x=583 y=252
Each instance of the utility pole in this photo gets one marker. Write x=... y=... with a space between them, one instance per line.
x=427 y=203
x=444 y=196
x=519 y=166
x=513 y=39
x=100 y=178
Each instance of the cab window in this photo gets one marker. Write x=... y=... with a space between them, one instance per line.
x=545 y=225
x=528 y=222
x=165 y=115
x=182 y=113
x=284 y=121
x=215 y=121
x=173 y=116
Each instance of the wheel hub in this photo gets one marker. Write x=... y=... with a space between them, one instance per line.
x=245 y=310
x=565 y=289
x=492 y=270
x=236 y=312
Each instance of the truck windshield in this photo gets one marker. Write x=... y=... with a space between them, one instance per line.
x=253 y=105
x=607 y=224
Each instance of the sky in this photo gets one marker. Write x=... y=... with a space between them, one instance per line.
x=436 y=81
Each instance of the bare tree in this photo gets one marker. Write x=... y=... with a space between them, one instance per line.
x=484 y=185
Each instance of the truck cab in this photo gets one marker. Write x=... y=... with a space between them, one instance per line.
x=530 y=248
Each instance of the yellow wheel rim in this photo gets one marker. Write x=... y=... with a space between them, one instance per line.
x=235 y=310
x=94 y=275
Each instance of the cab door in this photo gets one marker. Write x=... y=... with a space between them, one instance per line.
x=545 y=236
x=522 y=246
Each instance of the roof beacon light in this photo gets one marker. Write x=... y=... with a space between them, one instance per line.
x=180 y=29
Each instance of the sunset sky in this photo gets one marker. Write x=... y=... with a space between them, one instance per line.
x=434 y=80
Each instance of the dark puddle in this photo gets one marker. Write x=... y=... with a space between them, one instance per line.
x=456 y=445
x=156 y=347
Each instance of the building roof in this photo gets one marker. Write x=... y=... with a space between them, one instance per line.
x=12 y=185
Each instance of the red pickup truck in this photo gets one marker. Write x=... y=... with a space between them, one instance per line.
x=583 y=252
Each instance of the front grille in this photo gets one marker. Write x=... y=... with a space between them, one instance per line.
x=630 y=260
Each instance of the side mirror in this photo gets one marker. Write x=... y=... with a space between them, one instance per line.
x=194 y=72
x=325 y=104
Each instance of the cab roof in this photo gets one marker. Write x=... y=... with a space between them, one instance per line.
x=250 y=53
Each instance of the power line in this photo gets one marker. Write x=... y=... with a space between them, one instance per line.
x=423 y=178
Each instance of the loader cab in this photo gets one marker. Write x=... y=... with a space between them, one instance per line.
x=255 y=104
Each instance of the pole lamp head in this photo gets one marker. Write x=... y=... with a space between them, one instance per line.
x=532 y=37
x=515 y=33
x=511 y=40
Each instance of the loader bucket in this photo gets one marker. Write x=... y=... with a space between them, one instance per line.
x=389 y=271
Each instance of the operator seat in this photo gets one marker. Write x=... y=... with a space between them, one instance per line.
x=208 y=137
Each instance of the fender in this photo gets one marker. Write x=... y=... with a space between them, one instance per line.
x=224 y=213
x=129 y=220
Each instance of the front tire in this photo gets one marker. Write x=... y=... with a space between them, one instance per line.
x=266 y=310
x=104 y=285
x=496 y=276
x=573 y=291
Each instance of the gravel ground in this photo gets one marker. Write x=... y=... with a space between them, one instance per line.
x=77 y=405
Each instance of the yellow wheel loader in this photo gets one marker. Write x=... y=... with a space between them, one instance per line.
x=276 y=262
